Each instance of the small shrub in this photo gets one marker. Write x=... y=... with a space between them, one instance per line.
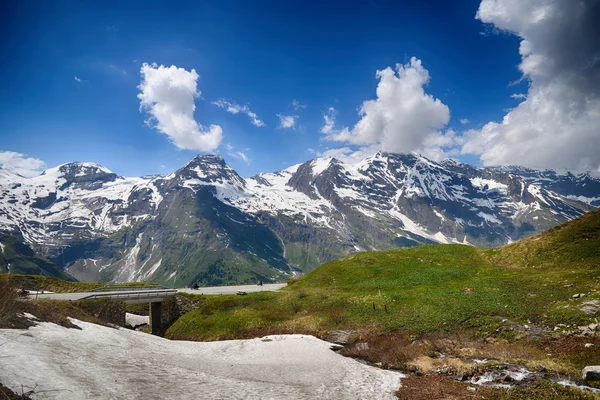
x=8 y=303
x=291 y=281
x=338 y=315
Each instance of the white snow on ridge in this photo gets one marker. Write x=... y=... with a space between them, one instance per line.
x=480 y=183
x=73 y=205
x=489 y=218
x=104 y=363
x=319 y=165
x=583 y=199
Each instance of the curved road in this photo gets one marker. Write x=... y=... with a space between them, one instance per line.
x=271 y=287
x=154 y=293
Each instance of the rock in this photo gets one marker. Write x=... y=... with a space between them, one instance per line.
x=569 y=285
x=588 y=345
x=504 y=377
x=585 y=330
x=590 y=307
x=591 y=373
x=341 y=337
x=578 y=295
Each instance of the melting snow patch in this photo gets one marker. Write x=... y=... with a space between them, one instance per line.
x=104 y=363
x=136 y=320
x=489 y=218
x=491 y=184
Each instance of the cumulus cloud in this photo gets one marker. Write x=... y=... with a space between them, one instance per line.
x=402 y=119
x=234 y=108
x=21 y=164
x=287 y=121
x=556 y=124
x=168 y=96
x=464 y=121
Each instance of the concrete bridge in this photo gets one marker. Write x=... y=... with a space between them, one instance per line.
x=161 y=317
x=128 y=295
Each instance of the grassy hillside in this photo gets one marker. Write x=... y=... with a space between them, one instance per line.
x=18 y=258
x=487 y=292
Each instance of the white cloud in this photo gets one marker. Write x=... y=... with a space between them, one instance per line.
x=240 y=155
x=518 y=96
x=329 y=117
x=234 y=108
x=556 y=125
x=464 y=121
x=402 y=119
x=297 y=106
x=78 y=80
x=168 y=95
x=287 y=121
x=21 y=164
x=348 y=155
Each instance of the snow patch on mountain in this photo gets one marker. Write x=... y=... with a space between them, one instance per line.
x=482 y=183
x=320 y=164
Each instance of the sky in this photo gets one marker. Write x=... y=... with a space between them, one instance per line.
x=142 y=87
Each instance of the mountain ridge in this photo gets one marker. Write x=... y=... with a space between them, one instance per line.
x=205 y=223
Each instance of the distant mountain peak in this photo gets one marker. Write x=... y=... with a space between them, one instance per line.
x=206 y=169
x=87 y=174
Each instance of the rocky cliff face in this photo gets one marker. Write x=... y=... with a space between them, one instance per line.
x=204 y=223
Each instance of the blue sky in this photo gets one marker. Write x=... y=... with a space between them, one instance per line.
x=259 y=54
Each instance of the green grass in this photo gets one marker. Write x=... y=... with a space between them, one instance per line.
x=429 y=288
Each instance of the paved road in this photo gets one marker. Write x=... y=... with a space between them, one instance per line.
x=271 y=287
x=143 y=294
x=117 y=295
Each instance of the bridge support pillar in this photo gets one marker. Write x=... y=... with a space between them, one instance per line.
x=156 y=318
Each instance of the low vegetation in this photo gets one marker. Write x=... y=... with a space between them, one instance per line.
x=506 y=293
x=13 y=310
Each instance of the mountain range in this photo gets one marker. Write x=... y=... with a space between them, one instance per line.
x=204 y=223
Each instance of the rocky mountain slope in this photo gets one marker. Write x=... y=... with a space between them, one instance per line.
x=17 y=257
x=204 y=223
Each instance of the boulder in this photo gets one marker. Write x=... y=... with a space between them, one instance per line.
x=591 y=373
x=341 y=337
